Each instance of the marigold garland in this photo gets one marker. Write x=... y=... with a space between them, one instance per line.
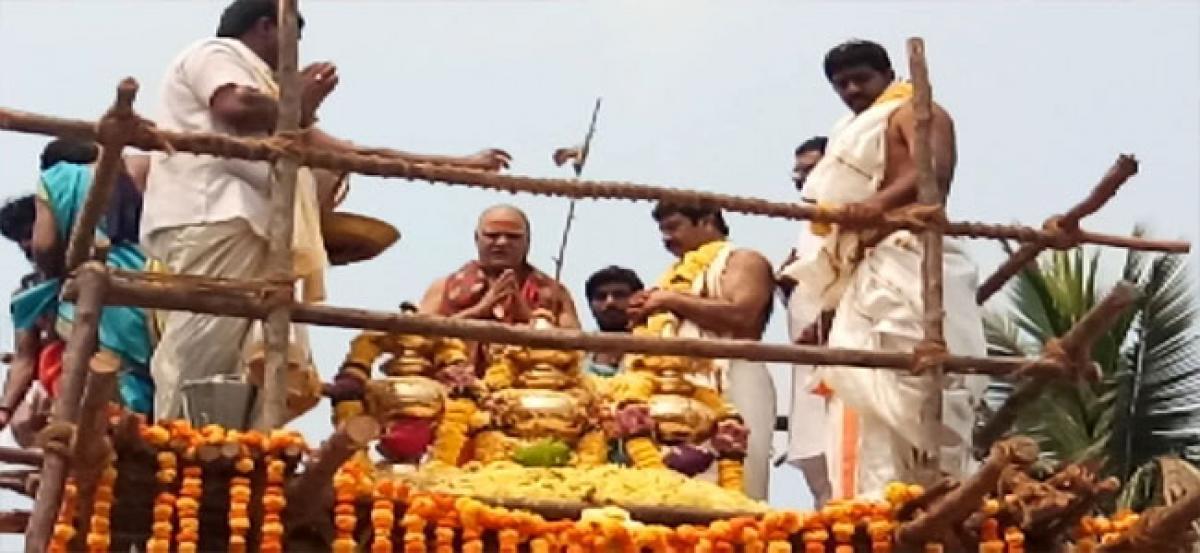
x=187 y=510
x=383 y=517
x=452 y=430
x=64 y=525
x=99 y=536
x=345 y=518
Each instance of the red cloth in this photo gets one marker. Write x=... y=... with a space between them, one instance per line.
x=468 y=285
x=50 y=366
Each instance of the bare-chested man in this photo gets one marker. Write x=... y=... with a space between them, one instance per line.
x=730 y=297
x=873 y=281
x=500 y=284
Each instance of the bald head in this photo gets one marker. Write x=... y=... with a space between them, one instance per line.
x=504 y=212
x=502 y=237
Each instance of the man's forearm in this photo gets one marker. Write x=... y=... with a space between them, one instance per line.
x=712 y=314
x=900 y=192
x=20 y=378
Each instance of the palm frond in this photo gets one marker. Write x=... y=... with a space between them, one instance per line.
x=1158 y=404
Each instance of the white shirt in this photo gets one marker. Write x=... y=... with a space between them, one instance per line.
x=185 y=189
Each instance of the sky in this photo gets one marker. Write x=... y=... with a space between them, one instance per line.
x=702 y=95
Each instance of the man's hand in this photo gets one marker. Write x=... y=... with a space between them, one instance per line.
x=316 y=82
x=491 y=160
x=498 y=297
x=817 y=333
x=647 y=302
x=864 y=212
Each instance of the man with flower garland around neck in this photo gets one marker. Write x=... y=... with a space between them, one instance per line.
x=873 y=282
x=718 y=290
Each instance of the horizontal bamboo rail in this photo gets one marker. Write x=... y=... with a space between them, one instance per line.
x=146 y=137
x=193 y=294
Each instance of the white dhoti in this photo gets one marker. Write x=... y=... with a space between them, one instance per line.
x=752 y=391
x=876 y=293
x=881 y=310
x=196 y=346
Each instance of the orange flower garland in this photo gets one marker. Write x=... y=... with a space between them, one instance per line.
x=64 y=526
x=345 y=518
x=164 y=502
x=99 y=536
x=383 y=517
x=187 y=510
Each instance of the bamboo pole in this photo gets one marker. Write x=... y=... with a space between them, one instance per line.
x=929 y=193
x=80 y=347
x=14 y=522
x=92 y=445
x=28 y=457
x=113 y=131
x=352 y=436
x=283 y=202
x=1067 y=226
x=958 y=504
x=269 y=149
x=140 y=290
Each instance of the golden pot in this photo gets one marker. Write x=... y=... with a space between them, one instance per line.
x=407 y=365
x=544 y=376
x=536 y=413
x=681 y=419
x=405 y=396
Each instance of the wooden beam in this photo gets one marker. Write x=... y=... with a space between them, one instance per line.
x=80 y=347
x=929 y=193
x=136 y=289
x=14 y=522
x=283 y=205
x=150 y=139
x=1068 y=223
x=16 y=456
x=92 y=445
x=352 y=436
x=115 y=128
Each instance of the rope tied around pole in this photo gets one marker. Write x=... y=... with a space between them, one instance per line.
x=1063 y=234
x=1074 y=361
x=929 y=356
x=58 y=437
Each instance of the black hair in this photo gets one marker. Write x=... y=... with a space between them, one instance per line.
x=241 y=16
x=694 y=212
x=70 y=151
x=610 y=274
x=854 y=53
x=16 y=218
x=814 y=144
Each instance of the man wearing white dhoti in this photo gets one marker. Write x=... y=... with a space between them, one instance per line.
x=729 y=296
x=808 y=432
x=873 y=281
x=208 y=216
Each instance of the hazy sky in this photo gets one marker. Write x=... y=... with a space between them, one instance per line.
x=704 y=95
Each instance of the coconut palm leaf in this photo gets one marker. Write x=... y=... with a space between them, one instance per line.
x=1158 y=390
x=1148 y=400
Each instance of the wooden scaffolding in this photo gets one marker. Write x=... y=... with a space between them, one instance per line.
x=92 y=285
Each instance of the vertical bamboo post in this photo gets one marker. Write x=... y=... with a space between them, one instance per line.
x=929 y=193
x=283 y=199
x=113 y=134
x=93 y=281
